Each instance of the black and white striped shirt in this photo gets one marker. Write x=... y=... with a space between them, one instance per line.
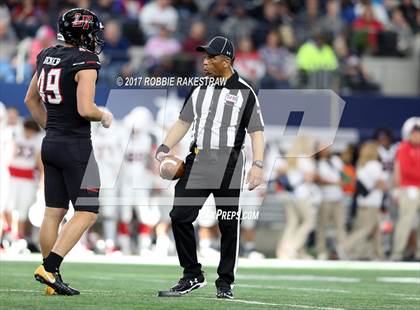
x=221 y=115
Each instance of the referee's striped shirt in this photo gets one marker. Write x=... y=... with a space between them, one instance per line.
x=221 y=115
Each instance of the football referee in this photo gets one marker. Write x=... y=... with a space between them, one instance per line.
x=220 y=116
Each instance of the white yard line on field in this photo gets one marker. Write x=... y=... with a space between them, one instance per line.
x=243 y=262
x=252 y=302
x=30 y=275
x=403 y=280
x=403 y=295
x=101 y=278
x=270 y=287
x=298 y=278
x=40 y=291
x=97 y=292
x=20 y=275
x=11 y=290
x=308 y=289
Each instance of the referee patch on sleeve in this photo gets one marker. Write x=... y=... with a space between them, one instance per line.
x=231 y=99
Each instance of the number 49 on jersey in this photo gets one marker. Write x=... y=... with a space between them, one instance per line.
x=49 y=90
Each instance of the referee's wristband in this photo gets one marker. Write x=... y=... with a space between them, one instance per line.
x=162 y=148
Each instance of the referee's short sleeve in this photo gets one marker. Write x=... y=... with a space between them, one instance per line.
x=253 y=111
x=187 y=112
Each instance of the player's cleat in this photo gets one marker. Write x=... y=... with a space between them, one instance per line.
x=54 y=281
x=224 y=292
x=50 y=291
x=184 y=286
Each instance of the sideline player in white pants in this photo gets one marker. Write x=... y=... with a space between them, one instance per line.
x=137 y=182
x=25 y=169
x=6 y=142
x=107 y=147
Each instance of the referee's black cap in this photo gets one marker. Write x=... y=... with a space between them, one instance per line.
x=218 y=46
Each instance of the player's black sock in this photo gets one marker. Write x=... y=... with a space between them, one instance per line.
x=52 y=262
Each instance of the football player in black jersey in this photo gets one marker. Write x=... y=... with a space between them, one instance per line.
x=61 y=99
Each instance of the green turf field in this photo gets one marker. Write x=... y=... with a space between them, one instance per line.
x=119 y=287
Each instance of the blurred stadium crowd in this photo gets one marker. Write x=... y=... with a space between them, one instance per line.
x=361 y=202
x=280 y=43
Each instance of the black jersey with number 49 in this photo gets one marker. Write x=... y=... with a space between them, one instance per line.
x=56 y=68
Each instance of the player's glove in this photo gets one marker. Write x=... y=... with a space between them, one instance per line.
x=107 y=118
x=161 y=152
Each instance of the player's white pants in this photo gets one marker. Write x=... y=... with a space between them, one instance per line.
x=138 y=201
x=21 y=196
x=108 y=199
x=163 y=201
x=4 y=187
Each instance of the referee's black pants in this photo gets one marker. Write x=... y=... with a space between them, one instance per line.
x=220 y=174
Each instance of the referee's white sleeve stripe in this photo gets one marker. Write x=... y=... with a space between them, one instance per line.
x=234 y=120
x=257 y=102
x=217 y=122
x=194 y=97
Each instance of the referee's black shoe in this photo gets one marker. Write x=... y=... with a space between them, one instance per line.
x=184 y=286
x=224 y=292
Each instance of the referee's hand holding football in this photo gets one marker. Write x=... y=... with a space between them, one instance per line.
x=161 y=152
x=174 y=135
